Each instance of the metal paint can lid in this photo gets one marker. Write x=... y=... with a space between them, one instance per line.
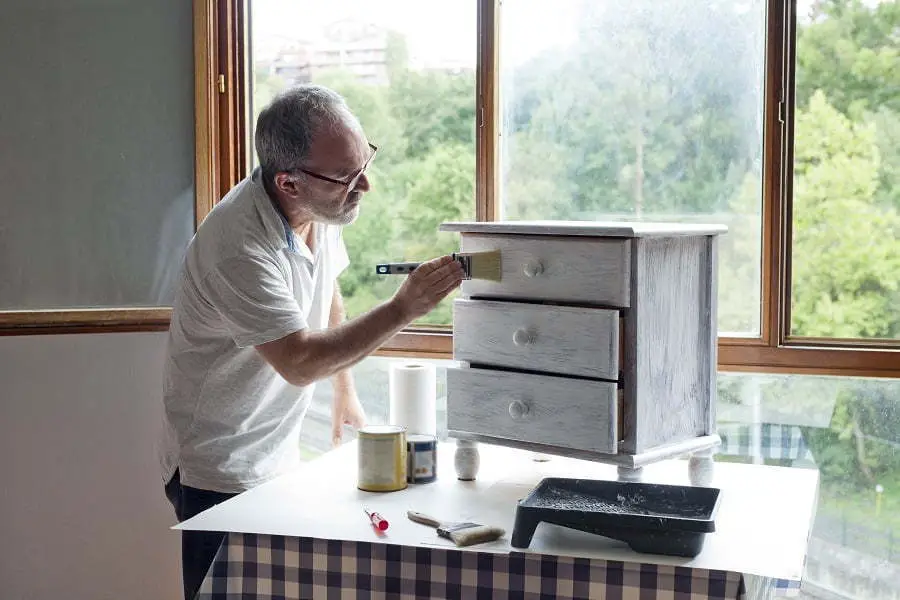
x=373 y=431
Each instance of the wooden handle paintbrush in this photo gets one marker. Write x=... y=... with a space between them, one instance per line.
x=476 y=265
x=461 y=534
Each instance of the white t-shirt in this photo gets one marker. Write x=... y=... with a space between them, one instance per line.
x=231 y=421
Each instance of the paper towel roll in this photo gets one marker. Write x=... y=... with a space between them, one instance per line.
x=413 y=397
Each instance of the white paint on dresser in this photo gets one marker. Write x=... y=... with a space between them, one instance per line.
x=563 y=412
x=667 y=332
x=566 y=340
x=570 y=270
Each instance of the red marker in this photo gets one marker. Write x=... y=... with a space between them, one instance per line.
x=378 y=522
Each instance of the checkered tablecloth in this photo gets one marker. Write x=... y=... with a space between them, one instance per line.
x=775 y=441
x=265 y=567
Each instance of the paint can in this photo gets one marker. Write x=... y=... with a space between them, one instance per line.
x=381 y=458
x=421 y=451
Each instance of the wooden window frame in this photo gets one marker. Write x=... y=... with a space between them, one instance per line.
x=774 y=350
x=218 y=49
x=222 y=155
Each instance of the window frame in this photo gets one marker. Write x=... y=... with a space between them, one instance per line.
x=221 y=34
x=218 y=48
x=774 y=350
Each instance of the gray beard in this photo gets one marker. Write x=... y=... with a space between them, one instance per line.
x=342 y=219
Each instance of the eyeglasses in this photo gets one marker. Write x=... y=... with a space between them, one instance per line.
x=350 y=183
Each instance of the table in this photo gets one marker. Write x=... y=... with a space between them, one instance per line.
x=305 y=535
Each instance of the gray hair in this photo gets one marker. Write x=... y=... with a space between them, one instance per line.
x=285 y=127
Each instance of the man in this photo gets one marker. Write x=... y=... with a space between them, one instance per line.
x=258 y=316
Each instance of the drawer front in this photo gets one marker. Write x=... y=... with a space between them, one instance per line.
x=570 y=413
x=579 y=270
x=557 y=339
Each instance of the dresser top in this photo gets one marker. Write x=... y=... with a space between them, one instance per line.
x=623 y=229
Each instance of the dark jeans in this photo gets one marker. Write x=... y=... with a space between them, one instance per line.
x=198 y=548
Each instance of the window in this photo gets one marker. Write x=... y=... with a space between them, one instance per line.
x=845 y=258
x=407 y=70
x=640 y=111
x=777 y=118
x=97 y=164
x=848 y=429
x=679 y=112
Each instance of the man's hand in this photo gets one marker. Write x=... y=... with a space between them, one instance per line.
x=346 y=410
x=306 y=356
x=425 y=287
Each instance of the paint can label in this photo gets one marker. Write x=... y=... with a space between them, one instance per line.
x=422 y=457
x=382 y=459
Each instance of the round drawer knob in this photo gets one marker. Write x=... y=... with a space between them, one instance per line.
x=523 y=337
x=518 y=410
x=533 y=268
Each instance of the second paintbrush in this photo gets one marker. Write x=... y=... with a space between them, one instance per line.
x=476 y=265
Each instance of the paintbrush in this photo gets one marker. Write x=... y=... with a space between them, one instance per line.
x=476 y=265
x=461 y=534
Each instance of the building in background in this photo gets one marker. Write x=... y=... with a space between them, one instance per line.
x=348 y=45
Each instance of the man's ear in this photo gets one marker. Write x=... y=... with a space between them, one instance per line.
x=287 y=184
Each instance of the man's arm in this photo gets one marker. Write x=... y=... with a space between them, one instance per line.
x=343 y=380
x=345 y=406
x=307 y=356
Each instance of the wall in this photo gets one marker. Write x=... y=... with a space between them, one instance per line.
x=96 y=206
x=82 y=510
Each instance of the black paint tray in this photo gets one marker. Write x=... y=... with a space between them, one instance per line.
x=650 y=518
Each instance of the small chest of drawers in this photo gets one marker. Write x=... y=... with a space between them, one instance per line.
x=597 y=342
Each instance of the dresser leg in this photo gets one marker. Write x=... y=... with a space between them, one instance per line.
x=466 y=460
x=629 y=474
x=700 y=467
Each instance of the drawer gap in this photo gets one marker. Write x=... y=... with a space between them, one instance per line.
x=534 y=302
x=489 y=367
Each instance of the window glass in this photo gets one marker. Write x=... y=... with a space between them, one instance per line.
x=845 y=260
x=371 y=377
x=640 y=110
x=96 y=153
x=848 y=429
x=407 y=70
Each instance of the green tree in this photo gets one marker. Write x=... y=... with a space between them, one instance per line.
x=739 y=262
x=433 y=108
x=846 y=275
x=649 y=107
x=846 y=257
x=645 y=116
x=442 y=188
x=372 y=106
x=538 y=183
x=850 y=50
x=846 y=203
x=423 y=124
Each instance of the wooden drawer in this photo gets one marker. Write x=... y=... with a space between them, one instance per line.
x=557 y=339
x=571 y=270
x=572 y=413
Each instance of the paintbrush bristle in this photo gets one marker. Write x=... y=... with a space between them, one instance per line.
x=481 y=265
x=469 y=534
